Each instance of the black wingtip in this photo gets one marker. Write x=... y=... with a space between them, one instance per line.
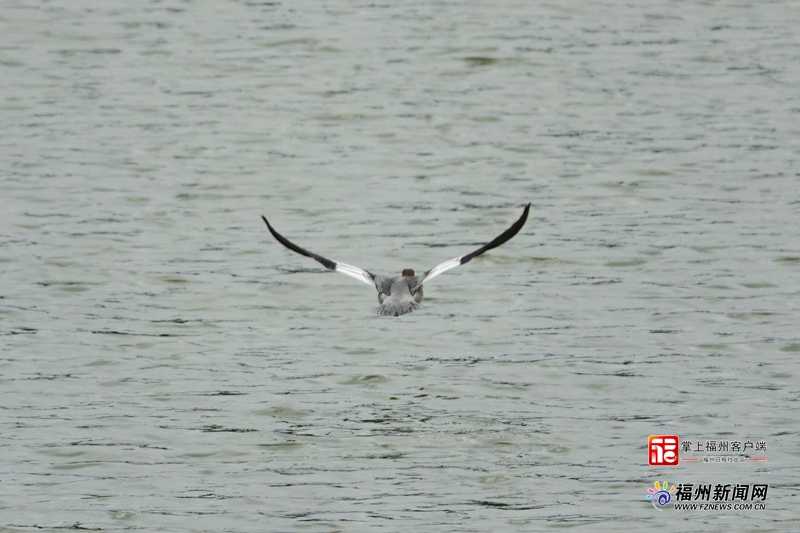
x=280 y=238
x=324 y=261
x=272 y=230
x=502 y=238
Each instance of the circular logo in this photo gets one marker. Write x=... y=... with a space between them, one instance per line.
x=660 y=496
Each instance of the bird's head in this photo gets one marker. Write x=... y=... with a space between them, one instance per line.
x=409 y=272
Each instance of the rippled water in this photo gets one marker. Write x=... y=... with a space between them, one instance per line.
x=167 y=366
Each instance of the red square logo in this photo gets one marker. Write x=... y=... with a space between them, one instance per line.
x=662 y=450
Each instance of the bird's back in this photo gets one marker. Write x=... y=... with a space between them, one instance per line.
x=395 y=295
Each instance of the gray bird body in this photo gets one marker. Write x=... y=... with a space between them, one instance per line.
x=397 y=295
x=402 y=294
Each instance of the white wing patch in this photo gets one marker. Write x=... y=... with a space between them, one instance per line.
x=438 y=269
x=355 y=272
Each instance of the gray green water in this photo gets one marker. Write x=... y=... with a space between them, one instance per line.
x=165 y=365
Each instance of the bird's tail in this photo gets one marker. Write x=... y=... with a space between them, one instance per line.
x=397 y=308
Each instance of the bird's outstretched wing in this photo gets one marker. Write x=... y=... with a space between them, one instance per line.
x=348 y=270
x=503 y=237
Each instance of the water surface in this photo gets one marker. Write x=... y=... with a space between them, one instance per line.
x=167 y=366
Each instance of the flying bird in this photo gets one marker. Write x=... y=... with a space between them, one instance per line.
x=402 y=294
